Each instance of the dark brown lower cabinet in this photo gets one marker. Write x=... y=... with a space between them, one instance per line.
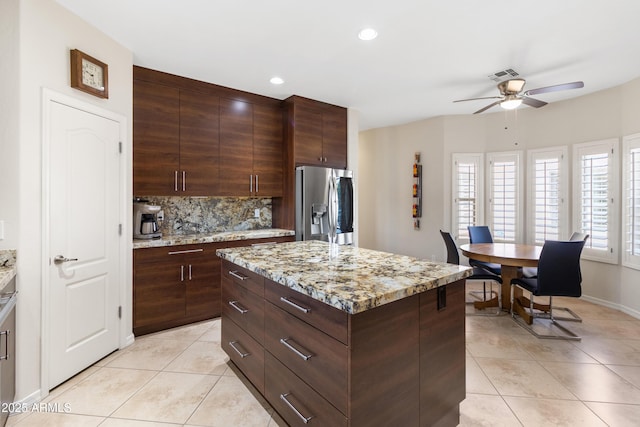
x=178 y=285
x=400 y=364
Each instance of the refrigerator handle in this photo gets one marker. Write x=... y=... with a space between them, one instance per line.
x=333 y=208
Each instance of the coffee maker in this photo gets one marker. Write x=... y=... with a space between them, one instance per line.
x=145 y=220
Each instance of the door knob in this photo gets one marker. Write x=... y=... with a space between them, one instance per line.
x=59 y=259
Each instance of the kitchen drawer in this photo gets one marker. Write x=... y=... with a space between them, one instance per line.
x=281 y=384
x=330 y=320
x=243 y=277
x=244 y=351
x=320 y=360
x=244 y=307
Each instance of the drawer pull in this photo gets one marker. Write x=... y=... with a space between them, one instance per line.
x=235 y=305
x=295 y=350
x=190 y=251
x=235 y=274
x=233 y=346
x=293 y=408
x=6 y=344
x=294 y=305
x=263 y=244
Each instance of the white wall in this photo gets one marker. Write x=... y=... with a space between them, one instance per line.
x=9 y=130
x=385 y=190
x=386 y=155
x=47 y=32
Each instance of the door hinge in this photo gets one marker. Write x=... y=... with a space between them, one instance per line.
x=119 y=312
x=120 y=229
x=120 y=147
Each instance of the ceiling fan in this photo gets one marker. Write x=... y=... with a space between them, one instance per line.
x=512 y=95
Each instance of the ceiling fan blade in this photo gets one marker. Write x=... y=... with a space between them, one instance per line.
x=488 y=106
x=555 y=88
x=532 y=102
x=474 y=99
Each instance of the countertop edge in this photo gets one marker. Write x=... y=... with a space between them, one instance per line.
x=225 y=236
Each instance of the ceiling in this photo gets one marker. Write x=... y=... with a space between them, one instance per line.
x=427 y=53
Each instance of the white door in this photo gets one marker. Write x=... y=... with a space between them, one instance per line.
x=83 y=224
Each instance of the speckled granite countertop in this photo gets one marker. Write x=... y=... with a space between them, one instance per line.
x=188 y=239
x=7 y=267
x=354 y=281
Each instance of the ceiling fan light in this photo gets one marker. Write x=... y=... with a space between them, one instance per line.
x=510 y=104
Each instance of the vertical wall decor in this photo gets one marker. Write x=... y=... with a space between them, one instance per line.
x=417 y=192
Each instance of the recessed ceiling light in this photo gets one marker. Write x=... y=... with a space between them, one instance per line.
x=276 y=80
x=367 y=34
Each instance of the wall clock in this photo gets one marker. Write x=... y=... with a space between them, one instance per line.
x=89 y=75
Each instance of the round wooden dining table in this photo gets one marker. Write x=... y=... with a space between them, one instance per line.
x=510 y=256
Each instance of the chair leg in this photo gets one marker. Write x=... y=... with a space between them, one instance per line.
x=484 y=300
x=570 y=335
x=573 y=318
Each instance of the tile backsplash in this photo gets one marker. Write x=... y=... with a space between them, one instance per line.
x=183 y=215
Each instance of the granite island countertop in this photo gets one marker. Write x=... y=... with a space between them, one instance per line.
x=225 y=236
x=355 y=280
x=7 y=267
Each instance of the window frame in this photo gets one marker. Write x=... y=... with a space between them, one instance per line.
x=478 y=160
x=562 y=153
x=629 y=142
x=609 y=146
x=491 y=159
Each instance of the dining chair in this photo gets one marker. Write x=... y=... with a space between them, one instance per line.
x=482 y=234
x=558 y=275
x=479 y=273
x=533 y=271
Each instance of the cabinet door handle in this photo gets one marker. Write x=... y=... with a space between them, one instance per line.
x=241 y=353
x=257 y=184
x=235 y=305
x=182 y=273
x=6 y=344
x=235 y=274
x=250 y=183
x=189 y=271
x=294 y=305
x=175 y=181
x=190 y=251
x=293 y=408
x=184 y=180
x=285 y=341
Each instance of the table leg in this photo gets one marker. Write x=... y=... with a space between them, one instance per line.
x=509 y=272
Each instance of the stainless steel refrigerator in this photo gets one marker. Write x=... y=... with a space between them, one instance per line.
x=324 y=204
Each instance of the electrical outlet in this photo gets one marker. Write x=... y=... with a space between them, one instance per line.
x=160 y=215
x=256 y=213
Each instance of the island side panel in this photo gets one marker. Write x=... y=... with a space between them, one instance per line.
x=384 y=350
x=442 y=356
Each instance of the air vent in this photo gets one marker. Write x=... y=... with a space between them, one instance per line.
x=503 y=75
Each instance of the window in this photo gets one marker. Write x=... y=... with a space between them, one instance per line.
x=595 y=206
x=467 y=193
x=547 y=211
x=504 y=182
x=631 y=201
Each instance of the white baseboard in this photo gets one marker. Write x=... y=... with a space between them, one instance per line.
x=609 y=304
x=129 y=339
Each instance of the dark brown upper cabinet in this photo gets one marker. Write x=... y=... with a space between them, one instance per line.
x=176 y=146
x=318 y=133
x=193 y=138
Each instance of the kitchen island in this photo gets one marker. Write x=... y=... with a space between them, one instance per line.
x=352 y=337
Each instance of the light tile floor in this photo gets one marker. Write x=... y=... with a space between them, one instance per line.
x=181 y=377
